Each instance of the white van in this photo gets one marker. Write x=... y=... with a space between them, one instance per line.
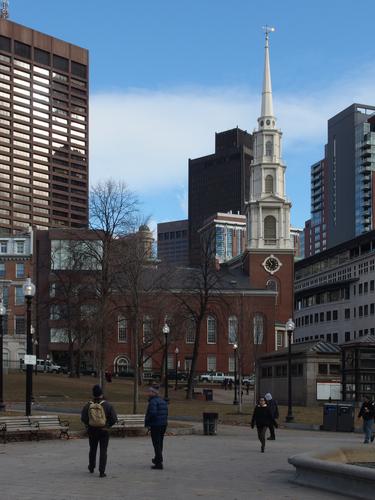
x=44 y=365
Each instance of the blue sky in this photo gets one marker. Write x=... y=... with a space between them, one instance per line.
x=166 y=74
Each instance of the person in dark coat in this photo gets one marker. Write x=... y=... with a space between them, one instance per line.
x=262 y=419
x=98 y=435
x=156 y=420
x=367 y=412
x=274 y=410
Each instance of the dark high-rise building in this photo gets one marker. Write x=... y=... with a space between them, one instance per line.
x=43 y=130
x=343 y=184
x=218 y=182
x=173 y=242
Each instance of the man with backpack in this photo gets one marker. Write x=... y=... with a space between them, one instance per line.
x=98 y=415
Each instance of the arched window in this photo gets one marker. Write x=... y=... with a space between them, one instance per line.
x=147 y=330
x=272 y=285
x=121 y=365
x=269 y=184
x=270 y=228
x=211 y=330
x=232 y=329
x=269 y=148
x=258 y=328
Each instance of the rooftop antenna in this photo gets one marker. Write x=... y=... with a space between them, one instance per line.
x=4 y=13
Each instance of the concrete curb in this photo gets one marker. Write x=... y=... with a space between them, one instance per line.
x=331 y=471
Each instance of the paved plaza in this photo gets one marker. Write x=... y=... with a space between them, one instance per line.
x=227 y=466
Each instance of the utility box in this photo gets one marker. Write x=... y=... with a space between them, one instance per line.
x=330 y=417
x=345 y=417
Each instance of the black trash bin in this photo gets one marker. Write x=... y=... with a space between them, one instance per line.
x=330 y=417
x=208 y=394
x=345 y=417
x=210 y=423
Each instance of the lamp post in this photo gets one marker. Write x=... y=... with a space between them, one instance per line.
x=235 y=400
x=290 y=327
x=176 y=351
x=166 y=332
x=3 y=312
x=29 y=292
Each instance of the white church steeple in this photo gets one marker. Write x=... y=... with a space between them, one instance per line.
x=268 y=210
x=267 y=104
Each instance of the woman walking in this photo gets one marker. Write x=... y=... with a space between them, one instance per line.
x=262 y=418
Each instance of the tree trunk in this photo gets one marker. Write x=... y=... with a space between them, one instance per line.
x=190 y=388
x=136 y=367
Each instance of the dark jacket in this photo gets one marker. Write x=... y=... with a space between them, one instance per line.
x=261 y=416
x=108 y=410
x=157 y=412
x=274 y=410
x=367 y=411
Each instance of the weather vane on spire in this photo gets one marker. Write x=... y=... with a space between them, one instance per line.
x=268 y=29
x=4 y=13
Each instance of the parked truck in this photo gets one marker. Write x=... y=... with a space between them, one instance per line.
x=217 y=377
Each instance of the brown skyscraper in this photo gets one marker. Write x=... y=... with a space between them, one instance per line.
x=43 y=130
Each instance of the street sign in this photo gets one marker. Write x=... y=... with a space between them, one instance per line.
x=30 y=359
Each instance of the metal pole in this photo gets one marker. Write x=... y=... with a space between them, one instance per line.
x=235 y=401
x=2 y=405
x=175 y=385
x=166 y=368
x=29 y=350
x=289 y=417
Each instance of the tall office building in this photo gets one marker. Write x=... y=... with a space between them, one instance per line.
x=218 y=183
x=343 y=184
x=43 y=130
x=173 y=242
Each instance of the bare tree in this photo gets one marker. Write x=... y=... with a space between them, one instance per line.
x=113 y=215
x=201 y=287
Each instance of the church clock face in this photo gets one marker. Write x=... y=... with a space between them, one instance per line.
x=271 y=264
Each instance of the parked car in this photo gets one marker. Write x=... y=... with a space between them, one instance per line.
x=125 y=374
x=215 y=377
x=151 y=376
x=88 y=371
x=180 y=375
x=44 y=365
x=250 y=379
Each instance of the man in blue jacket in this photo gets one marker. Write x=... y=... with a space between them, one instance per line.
x=156 y=420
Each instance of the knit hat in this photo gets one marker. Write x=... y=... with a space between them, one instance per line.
x=268 y=396
x=154 y=389
x=97 y=391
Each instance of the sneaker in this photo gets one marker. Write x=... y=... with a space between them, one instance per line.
x=262 y=449
x=102 y=474
x=153 y=460
x=157 y=466
x=91 y=469
x=372 y=437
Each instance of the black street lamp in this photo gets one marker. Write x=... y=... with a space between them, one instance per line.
x=29 y=292
x=290 y=327
x=235 y=400
x=3 y=312
x=166 y=332
x=176 y=351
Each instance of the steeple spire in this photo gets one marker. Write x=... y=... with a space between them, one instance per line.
x=267 y=105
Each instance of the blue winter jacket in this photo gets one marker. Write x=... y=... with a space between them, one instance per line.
x=157 y=412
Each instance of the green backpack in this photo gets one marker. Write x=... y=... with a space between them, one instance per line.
x=97 y=416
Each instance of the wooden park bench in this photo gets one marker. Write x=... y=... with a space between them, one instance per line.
x=129 y=422
x=50 y=423
x=15 y=425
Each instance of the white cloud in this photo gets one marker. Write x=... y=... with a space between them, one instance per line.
x=145 y=137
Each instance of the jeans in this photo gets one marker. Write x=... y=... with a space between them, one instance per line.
x=367 y=429
x=272 y=431
x=101 y=437
x=157 y=436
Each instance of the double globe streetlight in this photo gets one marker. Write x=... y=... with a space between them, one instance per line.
x=3 y=312
x=28 y=292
